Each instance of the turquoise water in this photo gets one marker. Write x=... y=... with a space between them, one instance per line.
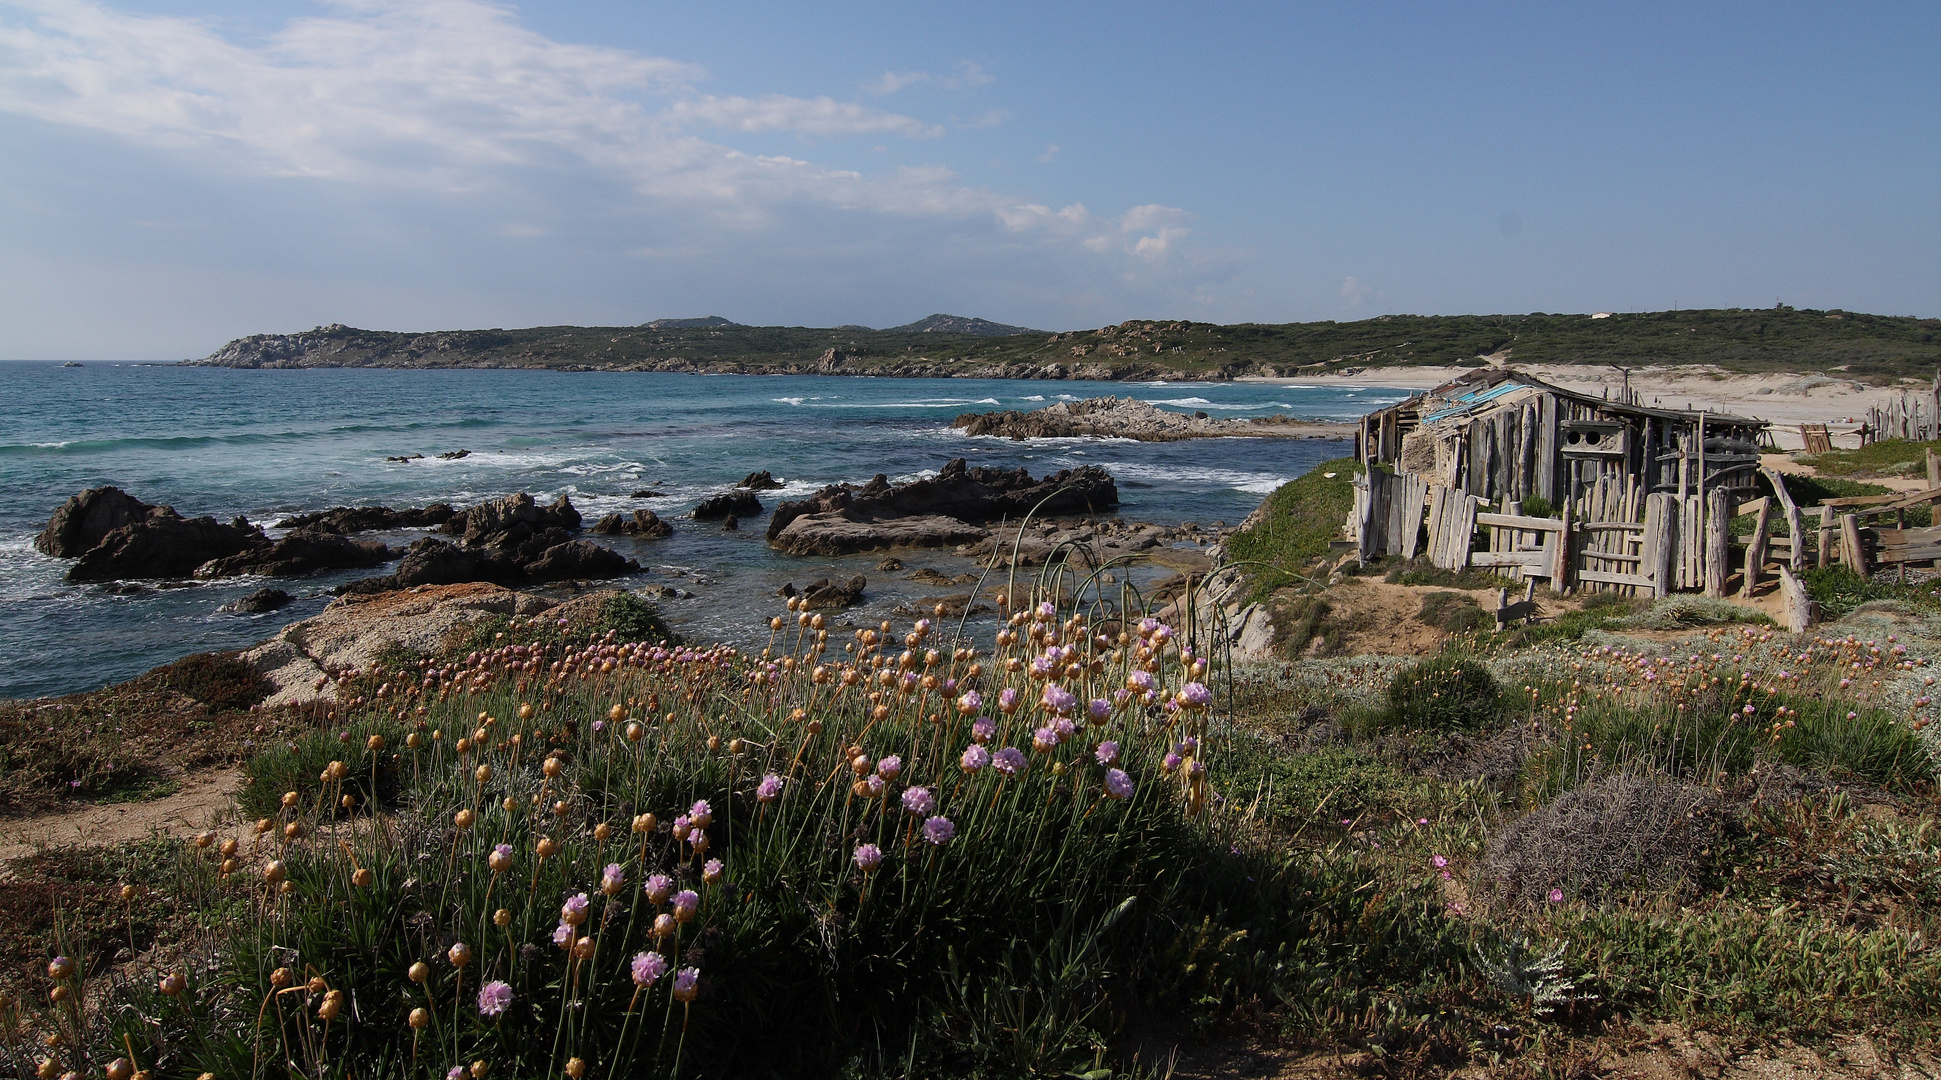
x=271 y=443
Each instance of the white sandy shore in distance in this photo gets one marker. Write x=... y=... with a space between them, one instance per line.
x=1785 y=400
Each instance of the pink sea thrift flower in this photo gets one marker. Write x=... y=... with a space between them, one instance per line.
x=1107 y=753
x=685 y=984
x=1009 y=761
x=711 y=871
x=1007 y=701
x=868 y=857
x=1556 y=896
x=875 y=785
x=658 y=888
x=1170 y=762
x=685 y=903
x=983 y=730
x=918 y=801
x=1100 y=710
x=1195 y=695
x=890 y=767
x=563 y=934
x=1044 y=740
x=494 y=997
x=701 y=814
x=1059 y=700
x=970 y=702
x=1065 y=729
x=573 y=912
x=938 y=830
x=1118 y=785
x=613 y=879
x=647 y=967
x=974 y=759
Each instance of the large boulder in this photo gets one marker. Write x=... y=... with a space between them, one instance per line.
x=759 y=481
x=164 y=544
x=350 y=519
x=579 y=559
x=260 y=602
x=301 y=552
x=945 y=509
x=826 y=594
x=85 y=520
x=738 y=503
x=438 y=562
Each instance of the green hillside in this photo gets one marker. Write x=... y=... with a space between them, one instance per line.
x=1736 y=339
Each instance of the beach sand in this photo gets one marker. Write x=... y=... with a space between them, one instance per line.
x=1785 y=400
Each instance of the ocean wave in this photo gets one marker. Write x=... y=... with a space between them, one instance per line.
x=246 y=438
x=1178 y=401
x=1034 y=397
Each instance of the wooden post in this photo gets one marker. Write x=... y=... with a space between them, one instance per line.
x=1800 y=611
x=1718 y=548
x=1824 y=556
x=1756 y=551
x=1664 y=542
x=1850 y=544
x=1934 y=469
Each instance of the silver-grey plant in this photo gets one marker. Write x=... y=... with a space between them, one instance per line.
x=1540 y=980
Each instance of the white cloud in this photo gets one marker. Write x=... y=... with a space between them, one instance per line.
x=804 y=116
x=1051 y=151
x=964 y=76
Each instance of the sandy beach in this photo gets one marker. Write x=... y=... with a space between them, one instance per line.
x=1787 y=400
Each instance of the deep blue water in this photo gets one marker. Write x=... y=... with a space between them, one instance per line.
x=271 y=443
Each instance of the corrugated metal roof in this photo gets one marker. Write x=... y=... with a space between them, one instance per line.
x=1466 y=402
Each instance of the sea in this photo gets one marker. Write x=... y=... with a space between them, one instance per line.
x=266 y=444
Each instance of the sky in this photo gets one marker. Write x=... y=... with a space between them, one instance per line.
x=178 y=173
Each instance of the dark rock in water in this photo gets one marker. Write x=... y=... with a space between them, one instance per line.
x=163 y=544
x=665 y=592
x=823 y=593
x=258 y=602
x=350 y=519
x=648 y=493
x=889 y=565
x=731 y=523
x=454 y=455
x=303 y=551
x=579 y=559
x=844 y=518
x=406 y=457
x=85 y=520
x=512 y=520
x=759 y=481
x=738 y=503
x=1124 y=418
x=928 y=576
x=644 y=524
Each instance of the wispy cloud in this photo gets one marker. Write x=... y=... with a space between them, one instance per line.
x=803 y=116
x=964 y=76
x=1051 y=151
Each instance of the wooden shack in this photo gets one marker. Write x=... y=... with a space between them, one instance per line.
x=1503 y=436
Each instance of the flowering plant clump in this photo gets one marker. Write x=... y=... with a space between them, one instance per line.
x=792 y=818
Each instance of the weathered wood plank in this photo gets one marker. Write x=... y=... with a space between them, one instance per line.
x=1850 y=546
x=1756 y=550
x=1517 y=521
x=1632 y=580
x=1799 y=609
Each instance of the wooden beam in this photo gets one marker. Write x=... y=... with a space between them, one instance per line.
x=1856 y=556
x=1756 y=550
x=1799 y=609
x=1718 y=553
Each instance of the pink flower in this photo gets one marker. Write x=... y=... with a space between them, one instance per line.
x=1044 y=740
x=1140 y=680
x=685 y=903
x=1007 y=701
x=1065 y=729
x=613 y=879
x=875 y=785
x=563 y=934
x=918 y=801
x=494 y=997
x=868 y=857
x=573 y=912
x=701 y=814
x=1438 y=861
x=889 y=767
x=685 y=984
x=1117 y=784
x=1170 y=762
x=1107 y=753
x=938 y=830
x=1195 y=695
x=974 y=759
x=1009 y=761
x=1100 y=710
x=648 y=966
x=768 y=789
x=970 y=702
x=658 y=887
x=1059 y=700
x=1556 y=896
x=711 y=871
x=983 y=730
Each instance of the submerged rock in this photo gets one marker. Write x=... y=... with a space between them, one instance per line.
x=350 y=519
x=258 y=602
x=1128 y=418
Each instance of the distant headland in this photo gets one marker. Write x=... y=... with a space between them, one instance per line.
x=1856 y=346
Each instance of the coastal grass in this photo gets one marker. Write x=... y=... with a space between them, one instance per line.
x=1315 y=867
x=1883 y=458
x=1289 y=536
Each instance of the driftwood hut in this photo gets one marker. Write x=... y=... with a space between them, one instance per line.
x=1502 y=435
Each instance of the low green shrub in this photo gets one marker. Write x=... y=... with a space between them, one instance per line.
x=1538 y=506
x=1453 y=612
x=1421 y=572
x=1295 y=526
x=218 y=680
x=1838 y=590
x=1444 y=693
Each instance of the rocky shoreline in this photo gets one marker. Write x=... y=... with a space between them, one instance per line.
x=1131 y=418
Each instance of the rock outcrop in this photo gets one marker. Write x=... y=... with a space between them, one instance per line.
x=824 y=593
x=164 y=544
x=303 y=551
x=1130 y=418
x=512 y=520
x=644 y=524
x=738 y=503
x=350 y=519
x=257 y=603
x=759 y=481
x=84 y=520
x=946 y=509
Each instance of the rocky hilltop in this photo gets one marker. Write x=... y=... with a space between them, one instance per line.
x=1130 y=418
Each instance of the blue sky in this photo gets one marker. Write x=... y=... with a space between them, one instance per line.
x=176 y=173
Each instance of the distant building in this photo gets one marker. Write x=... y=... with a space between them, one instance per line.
x=1601 y=315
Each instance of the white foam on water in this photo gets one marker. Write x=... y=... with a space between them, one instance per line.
x=1178 y=401
x=1034 y=397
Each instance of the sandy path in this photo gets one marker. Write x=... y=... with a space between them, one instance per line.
x=205 y=796
x=1785 y=400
